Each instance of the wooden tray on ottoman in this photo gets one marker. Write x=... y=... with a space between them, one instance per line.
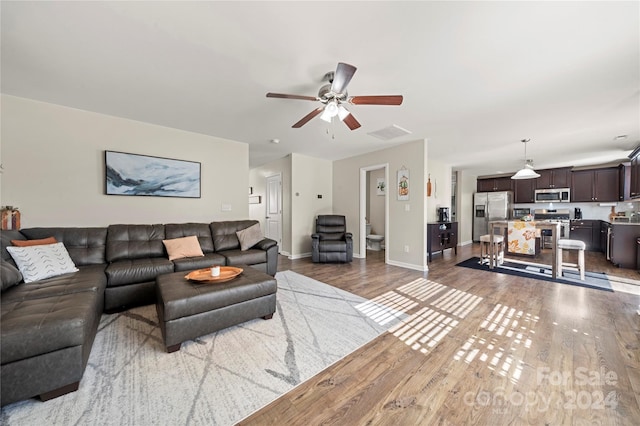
x=227 y=273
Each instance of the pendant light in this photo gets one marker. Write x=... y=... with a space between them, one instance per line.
x=527 y=171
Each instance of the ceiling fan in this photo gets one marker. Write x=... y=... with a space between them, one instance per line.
x=334 y=95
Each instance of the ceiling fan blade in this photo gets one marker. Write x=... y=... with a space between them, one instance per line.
x=342 y=77
x=376 y=100
x=308 y=117
x=285 y=96
x=351 y=122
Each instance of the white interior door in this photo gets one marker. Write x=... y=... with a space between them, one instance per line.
x=273 y=219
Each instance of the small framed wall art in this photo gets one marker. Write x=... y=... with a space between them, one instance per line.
x=403 y=184
x=380 y=186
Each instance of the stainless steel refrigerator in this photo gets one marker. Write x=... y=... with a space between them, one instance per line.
x=488 y=206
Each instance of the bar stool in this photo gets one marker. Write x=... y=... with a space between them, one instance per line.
x=485 y=252
x=566 y=244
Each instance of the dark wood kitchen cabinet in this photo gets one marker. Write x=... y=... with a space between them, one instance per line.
x=582 y=230
x=624 y=187
x=495 y=184
x=442 y=236
x=601 y=185
x=524 y=191
x=554 y=178
x=622 y=245
x=634 y=178
x=605 y=229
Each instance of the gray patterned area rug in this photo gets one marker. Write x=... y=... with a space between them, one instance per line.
x=217 y=379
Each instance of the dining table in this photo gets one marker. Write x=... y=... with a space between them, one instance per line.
x=500 y=227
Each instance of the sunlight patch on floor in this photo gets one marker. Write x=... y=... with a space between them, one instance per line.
x=422 y=289
x=503 y=321
x=387 y=307
x=424 y=329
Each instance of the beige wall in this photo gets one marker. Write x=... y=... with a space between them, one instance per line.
x=53 y=168
x=257 y=179
x=406 y=224
x=441 y=188
x=310 y=177
x=466 y=189
x=303 y=179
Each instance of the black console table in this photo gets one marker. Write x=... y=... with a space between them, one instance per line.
x=442 y=236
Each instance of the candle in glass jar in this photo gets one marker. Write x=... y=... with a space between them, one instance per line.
x=215 y=271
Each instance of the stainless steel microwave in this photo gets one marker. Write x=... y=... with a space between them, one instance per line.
x=552 y=195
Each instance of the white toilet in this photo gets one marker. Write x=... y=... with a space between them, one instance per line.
x=374 y=242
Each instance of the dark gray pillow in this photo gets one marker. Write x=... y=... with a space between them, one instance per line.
x=9 y=275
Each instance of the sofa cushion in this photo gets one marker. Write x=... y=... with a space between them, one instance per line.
x=224 y=233
x=9 y=275
x=134 y=271
x=39 y=242
x=125 y=242
x=39 y=326
x=200 y=262
x=246 y=257
x=86 y=246
x=88 y=278
x=250 y=236
x=178 y=248
x=40 y=262
x=200 y=230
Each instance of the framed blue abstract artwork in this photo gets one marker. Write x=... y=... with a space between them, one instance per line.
x=134 y=174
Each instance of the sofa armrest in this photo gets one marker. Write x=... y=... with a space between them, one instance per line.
x=265 y=244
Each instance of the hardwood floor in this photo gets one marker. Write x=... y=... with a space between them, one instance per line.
x=478 y=348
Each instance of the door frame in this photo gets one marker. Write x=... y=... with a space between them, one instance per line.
x=363 y=209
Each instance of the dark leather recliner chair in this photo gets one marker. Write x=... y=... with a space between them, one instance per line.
x=331 y=242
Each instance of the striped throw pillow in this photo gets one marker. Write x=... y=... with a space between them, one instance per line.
x=39 y=262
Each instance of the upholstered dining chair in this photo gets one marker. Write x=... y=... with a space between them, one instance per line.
x=331 y=243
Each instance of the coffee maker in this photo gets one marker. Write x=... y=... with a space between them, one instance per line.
x=577 y=214
x=443 y=214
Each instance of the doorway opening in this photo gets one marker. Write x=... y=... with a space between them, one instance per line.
x=374 y=208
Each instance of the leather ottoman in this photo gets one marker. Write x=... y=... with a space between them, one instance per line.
x=187 y=309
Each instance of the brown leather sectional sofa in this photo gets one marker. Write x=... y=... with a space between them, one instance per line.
x=48 y=326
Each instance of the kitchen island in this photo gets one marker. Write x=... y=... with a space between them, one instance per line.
x=529 y=230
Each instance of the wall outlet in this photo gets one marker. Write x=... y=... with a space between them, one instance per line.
x=226 y=208
x=407 y=207
x=406 y=249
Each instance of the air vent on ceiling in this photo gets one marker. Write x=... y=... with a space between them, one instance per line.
x=390 y=132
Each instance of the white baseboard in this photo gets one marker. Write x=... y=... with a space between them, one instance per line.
x=299 y=256
x=409 y=266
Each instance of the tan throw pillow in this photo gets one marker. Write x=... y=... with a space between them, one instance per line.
x=28 y=243
x=178 y=248
x=250 y=236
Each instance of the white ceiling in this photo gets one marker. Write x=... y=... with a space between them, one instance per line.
x=476 y=76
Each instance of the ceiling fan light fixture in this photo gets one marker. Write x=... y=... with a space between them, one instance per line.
x=342 y=112
x=330 y=111
x=527 y=171
x=326 y=116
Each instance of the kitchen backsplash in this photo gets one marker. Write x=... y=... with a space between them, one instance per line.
x=592 y=211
